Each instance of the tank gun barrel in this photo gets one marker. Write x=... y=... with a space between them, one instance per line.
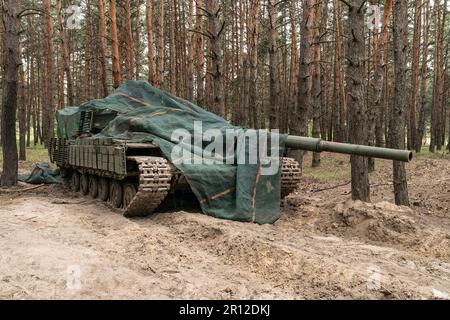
x=319 y=145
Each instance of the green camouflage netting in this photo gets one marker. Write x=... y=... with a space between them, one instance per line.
x=225 y=189
x=43 y=173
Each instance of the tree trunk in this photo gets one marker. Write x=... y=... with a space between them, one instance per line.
x=137 y=41
x=150 y=50
x=381 y=74
x=274 y=61
x=216 y=26
x=161 y=17
x=48 y=108
x=129 y=57
x=22 y=114
x=357 y=107
x=316 y=90
x=412 y=127
x=339 y=99
x=304 y=78
x=293 y=86
x=423 y=86
x=117 y=77
x=251 y=84
x=173 y=77
x=103 y=47
x=11 y=62
x=400 y=27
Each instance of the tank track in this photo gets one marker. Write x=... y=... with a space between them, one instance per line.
x=155 y=180
x=291 y=174
x=155 y=176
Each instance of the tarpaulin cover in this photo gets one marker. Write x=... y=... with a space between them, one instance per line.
x=68 y=122
x=43 y=173
x=233 y=191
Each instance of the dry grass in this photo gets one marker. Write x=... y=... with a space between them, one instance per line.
x=35 y=154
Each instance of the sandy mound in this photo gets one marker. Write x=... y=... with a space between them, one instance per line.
x=377 y=222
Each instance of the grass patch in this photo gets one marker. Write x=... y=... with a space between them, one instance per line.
x=35 y=154
x=425 y=153
x=324 y=174
x=334 y=167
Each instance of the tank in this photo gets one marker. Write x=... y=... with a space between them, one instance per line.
x=138 y=179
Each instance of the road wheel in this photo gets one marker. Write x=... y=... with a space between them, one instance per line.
x=84 y=184
x=103 y=189
x=116 y=193
x=75 y=182
x=129 y=192
x=93 y=186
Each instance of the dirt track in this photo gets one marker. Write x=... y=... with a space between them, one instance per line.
x=324 y=246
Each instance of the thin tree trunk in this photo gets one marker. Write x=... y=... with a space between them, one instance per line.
x=150 y=50
x=117 y=77
x=423 y=86
x=357 y=107
x=216 y=27
x=103 y=48
x=161 y=17
x=339 y=99
x=48 y=108
x=304 y=78
x=22 y=114
x=137 y=40
x=316 y=90
x=191 y=52
x=274 y=61
x=293 y=86
x=381 y=74
x=400 y=27
x=199 y=61
x=412 y=128
x=129 y=57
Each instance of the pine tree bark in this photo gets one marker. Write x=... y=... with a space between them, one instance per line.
x=11 y=62
x=161 y=17
x=137 y=40
x=48 y=108
x=304 y=78
x=412 y=127
x=89 y=61
x=129 y=57
x=339 y=100
x=274 y=62
x=356 y=105
x=424 y=68
x=173 y=76
x=381 y=73
x=253 y=28
x=191 y=52
x=150 y=50
x=22 y=112
x=316 y=90
x=102 y=48
x=400 y=40
x=199 y=61
x=216 y=27
x=293 y=86
x=117 y=77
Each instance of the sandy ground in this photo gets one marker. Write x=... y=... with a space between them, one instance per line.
x=58 y=245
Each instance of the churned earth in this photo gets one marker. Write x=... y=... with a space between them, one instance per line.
x=55 y=244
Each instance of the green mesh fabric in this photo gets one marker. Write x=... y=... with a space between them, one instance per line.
x=230 y=191
x=68 y=121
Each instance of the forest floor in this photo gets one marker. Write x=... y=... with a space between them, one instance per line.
x=55 y=244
